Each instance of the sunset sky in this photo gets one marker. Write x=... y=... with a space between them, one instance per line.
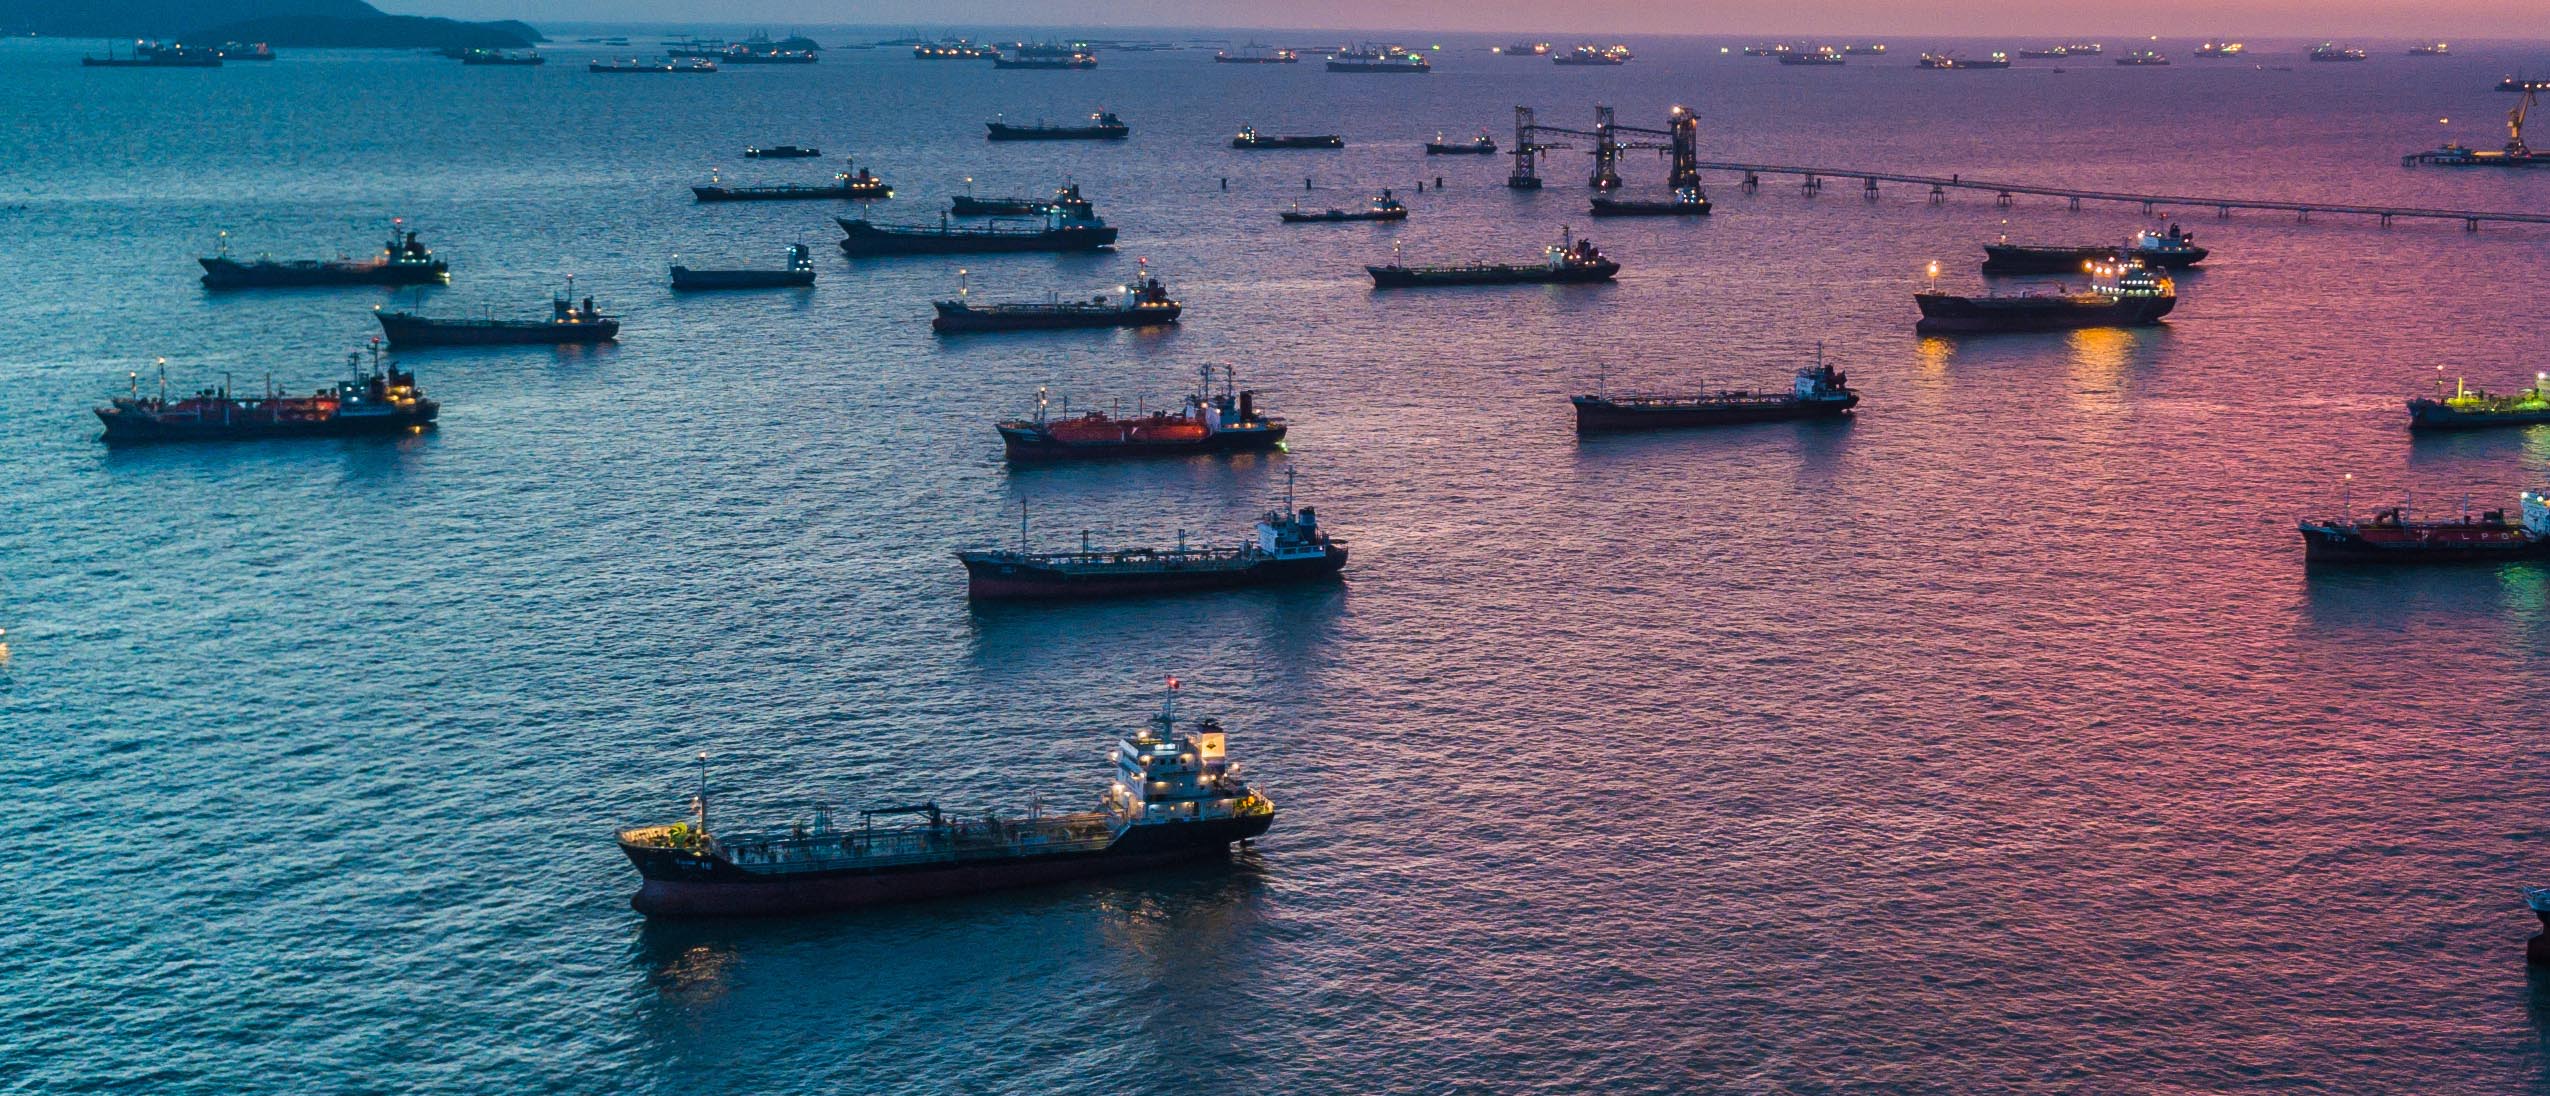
x=2293 y=18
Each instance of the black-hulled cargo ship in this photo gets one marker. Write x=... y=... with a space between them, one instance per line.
x=2393 y=536
x=402 y=261
x=957 y=50
x=1103 y=126
x=1686 y=201
x=1481 y=145
x=851 y=182
x=1289 y=547
x=635 y=67
x=1250 y=140
x=568 y=323
x=1383 y=207
x=1818 y=392
x=1176 y=796
x=1226 y=423
x=2470 y=408
x=799 y=272
x=1256 y=53
x=1566 y=261
x=153 y=55
x=781 y=152
x=1071 y=224
x=1380 y=59
x=503 y=58
x=1047 y=55
x=380 y=401
x=2120 y=297
x=2003 y=257
x=1592 y=56
x=1144 y=303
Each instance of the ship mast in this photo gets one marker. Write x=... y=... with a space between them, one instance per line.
x=699 y=802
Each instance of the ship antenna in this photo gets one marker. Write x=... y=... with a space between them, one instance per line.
x=2346 y=504
x=163 y=380
x=1022 y=527
x=1289 y=473
x=964 y=284
x=699 y=802
x=1040 y=405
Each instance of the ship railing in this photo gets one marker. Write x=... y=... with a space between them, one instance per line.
x=955 y=841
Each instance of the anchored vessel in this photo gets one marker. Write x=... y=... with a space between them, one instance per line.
x=1481 y=145
x=2331 y=51
x=1686 y=201
x=1877 y=49
x=1565 y=261
x=567 y=323
x=2394 y=537
x=1593 y=56
x=1818 y=392
x=800 y=271
x=2469 y=408
x=1997 y=60
x=1226 y=423
x=1071 y=224
x=1289 y=547
x=1176 y=796
x=154 y=55
x=781 y=152
x=1141 y=304
x=1256 y=54
x=1250 y=139
x=402 y=261
x=1383 y=207
x=855 y=183
x=958 y=50
x=2175 y=249
x=1047 y=55
x=1380 y=59
x=636 y=66
x=2515 y=154
x=2431 y=49
x=1523 y=49
x=1103 y=126
x=2221 y=49
x=502 y=57
x=2518 y=85
x=2143 y=58
x=2121 y=296
x=381 y=401
x=1821 y=55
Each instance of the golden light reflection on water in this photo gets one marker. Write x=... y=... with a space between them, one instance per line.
x=698 y=972
x=2099 y=356
x=1934 y=353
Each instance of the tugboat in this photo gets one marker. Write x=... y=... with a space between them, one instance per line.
x=2124 y=295
x=1047 y=56
x=1592 y=56
x=1383 y=207
x=1071 y=224
x=1289 y=547
x=402 y=261
x=1256 y=54
x=1142 y=304
x=1104 y=126
x=567 y=323
x=2330 y=51
x=1208 y=423
x=2470 y=408
x=1176 y=796
x=781 y=152
x=1567 y=261
x=2515 y=154
x=854 y=184
x=1818 y=392
x=2394 y=537
x=1250 y=140
x=1687 y=201
x=1384 y=59
x=381 y=401
x=800 y=271
x=2172 y=250
x=1481 y=145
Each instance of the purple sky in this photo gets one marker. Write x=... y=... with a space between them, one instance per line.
x=2178 y=18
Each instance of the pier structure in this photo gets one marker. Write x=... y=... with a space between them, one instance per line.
x=1811 y=182
x=1680 y=142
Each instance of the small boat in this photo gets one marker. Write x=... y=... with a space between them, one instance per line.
x=2394 y=536
x=634 y=66
x=381 y=401
x=850 y=183
x=1289 y=547
x=402 y=261
x=1103 y=126
x=2122 y=295
x=1481 y=145
x=967 y=205
x=1687 y=201
x=1226 y=423
x=1383 y=207
x=800 y=271
x=1047 y=56
x=1070 y=224
x=1817 y=392
x=2175 y=249
x=567 y=323
x=1380 y=59
x=1256 y=54
x=1251 y=140
x=1142 y=304
x=2470 y=408
x=1568 y=261
x=780 y=152
x=502 y=57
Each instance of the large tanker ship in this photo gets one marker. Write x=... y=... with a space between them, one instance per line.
x=1289 y=547
x=2394 y=536
x=1070 y=224
x=402 y=261
x=2119 y=297
x=1226 y=423
x=381 y=401
x=1176 y=796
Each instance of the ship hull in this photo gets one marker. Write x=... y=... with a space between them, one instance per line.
x=1401 y=277
x=1292 y=218
x=413 y=331
x=134 y=429
x=2326 y=544
x=721 y=890
x=2010 y=259
x=1433 y=149
x=991 y=580
x=2435 y=415
x=1001 y=132
x=1607 y=208
x=961 y=320
x=788 y=194
x=220 y=273
x=687 y=278
x=1028 y=444
x=1941 y=314
x=1264 y=144
x=1603 y=416
x=1361 y=67
x=863 y=238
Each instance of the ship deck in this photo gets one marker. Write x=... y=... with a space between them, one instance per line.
x=794 y=851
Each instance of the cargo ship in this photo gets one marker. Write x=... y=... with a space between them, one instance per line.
x=1289 y=547
x=2221 y=49
x=154 y=55
x=1383 y=207
x=2142 y=58
x=502 y=57
x=245 y=51
x=851 y=183
x=1070 y=224
x=958 y=50
x=2519 y=85
x=1256 y=54
x=799 y=272
x=1996 y=60
x=1822 y=55
x=2393 y=536
x=1565 y=261
x=1481 y=145
x=402 y=261
x=1817 y=392
x=567 y=323
x=2515 y=154
x=781 y=152
x=2471 y=408
x=1046 y=56
x=1142 y=304
x=1229 y=422
x=1875 y=49
x=1687 y=201
x=2046 y=53
x=378 y=401
x=1103 y=126
x=634 y=66
x=1592 y=57
x=1522 y=49
x=2121 y=296
x=1380 y=59
x=1176 y=796
x=2431 y=49
x=2175 y=249
x=1250 y=139
x=2327 y=52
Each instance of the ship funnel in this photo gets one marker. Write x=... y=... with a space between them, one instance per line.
x=1248 y=404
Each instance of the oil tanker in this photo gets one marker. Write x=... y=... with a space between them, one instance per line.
x=1289 y=547
x=799 y=272
x=378 y=401
x=1818 y=392
x=1142 y=304
x=1103 y=126
x=1229 y=422
x=402 y=261
x=567 y=323
x=1071 y=224
x=1567 y=261
x=2470 y=408
x=1176 y=796
x=2393 y=536
x=2133 y=296
x=852 y=183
